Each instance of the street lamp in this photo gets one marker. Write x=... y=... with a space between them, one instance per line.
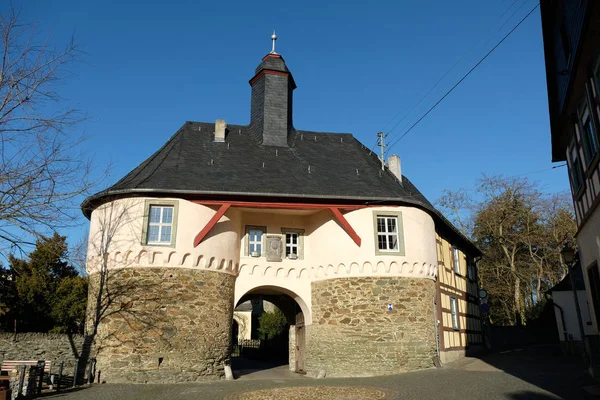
x=568 y=256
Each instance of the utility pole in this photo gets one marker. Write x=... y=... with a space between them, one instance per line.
x=381 y=143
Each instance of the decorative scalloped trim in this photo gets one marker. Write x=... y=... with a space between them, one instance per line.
x=341 y=270
x=167 y=258
x=170 y=258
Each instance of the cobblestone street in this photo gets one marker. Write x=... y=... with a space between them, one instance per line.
x=536 y=373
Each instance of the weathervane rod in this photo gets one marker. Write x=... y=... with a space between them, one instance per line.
x=273 y=38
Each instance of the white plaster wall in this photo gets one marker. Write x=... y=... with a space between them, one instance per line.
x=116 y=236
x=334 y=254
x=330 y=253
x=565 y=300
x=588 y=243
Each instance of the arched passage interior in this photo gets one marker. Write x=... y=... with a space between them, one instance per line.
x=289 y=348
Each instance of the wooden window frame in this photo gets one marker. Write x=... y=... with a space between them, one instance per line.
x=590 y=142
x=454 y=313
x=299 y=245
x=401 y=250
x=575 y=167
x=249 y=228
x=456 y=260
x=160 y=203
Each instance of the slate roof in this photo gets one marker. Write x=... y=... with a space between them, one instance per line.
x=318 y=167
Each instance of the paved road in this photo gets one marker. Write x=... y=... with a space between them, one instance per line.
x=532 y=374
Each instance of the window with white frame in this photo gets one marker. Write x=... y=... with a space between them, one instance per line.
x=293 y=243
x=387 y=233
x=456 y=259
x=160 y=224
x=454 y=311
x=575 y=168
x=255 y=237
x=587 y=131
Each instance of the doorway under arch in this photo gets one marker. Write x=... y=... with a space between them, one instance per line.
x=286 y=349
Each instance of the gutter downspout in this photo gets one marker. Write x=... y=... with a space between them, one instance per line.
x=437 y=360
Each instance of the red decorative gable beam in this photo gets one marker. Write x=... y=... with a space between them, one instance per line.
x=334 y=209
x=211 y=224
x=345 y=224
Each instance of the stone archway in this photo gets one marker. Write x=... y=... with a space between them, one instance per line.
x=293 y=308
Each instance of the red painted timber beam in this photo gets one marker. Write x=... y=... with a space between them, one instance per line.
x=345 y=224
x=211 y=224
x=287 y=206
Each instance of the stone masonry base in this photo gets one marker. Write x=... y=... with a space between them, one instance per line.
x=354 y=334
x=161 y=325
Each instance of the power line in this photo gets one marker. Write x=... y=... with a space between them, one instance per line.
x=463 y=78
x=541 y=170
x=499 y=19
x=465 y=54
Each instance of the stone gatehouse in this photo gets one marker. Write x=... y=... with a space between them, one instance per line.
x=225 y=212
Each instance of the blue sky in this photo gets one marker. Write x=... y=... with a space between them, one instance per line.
x=150 y=66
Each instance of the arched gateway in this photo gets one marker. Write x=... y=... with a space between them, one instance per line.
x=221 y=211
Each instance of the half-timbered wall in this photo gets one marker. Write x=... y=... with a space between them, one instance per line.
x=464 y=330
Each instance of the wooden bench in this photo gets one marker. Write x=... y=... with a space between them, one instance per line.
x=9 y=365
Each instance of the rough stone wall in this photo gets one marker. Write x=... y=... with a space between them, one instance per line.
x=54 y=347
x=353 y=333
x=182 y=316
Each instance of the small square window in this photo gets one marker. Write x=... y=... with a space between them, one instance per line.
x=254 y=241
x=294 y=243
x=387 y=233
x=159 y=226
x=454 y=311
x=389 y=239
x=291 y=245
x=456 y=259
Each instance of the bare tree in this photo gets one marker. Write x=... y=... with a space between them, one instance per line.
x=43 y=171
x=521 y=232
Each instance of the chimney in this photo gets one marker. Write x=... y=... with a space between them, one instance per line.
x=220 y=127
x=271 y=102
x=395 y=167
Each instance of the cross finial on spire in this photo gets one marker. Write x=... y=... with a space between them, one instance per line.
x=273 y=38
